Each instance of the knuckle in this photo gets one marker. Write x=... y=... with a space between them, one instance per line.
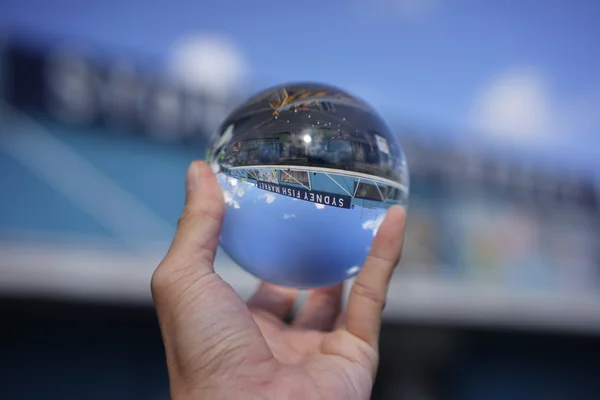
x=370 y=293
x=212 y=210
x=170 y=279
x=159 y=283
x=381 y=261
x=205 y=212
x=383 y=266
x=328 y=300
x=166 y=276
x=186 y=217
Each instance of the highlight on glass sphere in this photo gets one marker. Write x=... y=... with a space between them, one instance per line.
x=308 y=172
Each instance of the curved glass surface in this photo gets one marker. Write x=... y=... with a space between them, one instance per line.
x=308 y=172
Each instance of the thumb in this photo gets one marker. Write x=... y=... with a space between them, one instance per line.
x=193 y=249
x=199 y=225
x=205 y=325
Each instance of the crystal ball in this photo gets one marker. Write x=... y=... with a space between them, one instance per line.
x=308 y=172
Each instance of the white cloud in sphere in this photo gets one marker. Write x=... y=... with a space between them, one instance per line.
x=373 y=224
x=210 y=64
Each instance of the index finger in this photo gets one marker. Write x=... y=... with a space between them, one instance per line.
x=368 y=294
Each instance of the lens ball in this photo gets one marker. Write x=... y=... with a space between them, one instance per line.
x=308 y=172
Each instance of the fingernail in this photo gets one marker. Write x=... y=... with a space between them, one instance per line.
x=192 y=177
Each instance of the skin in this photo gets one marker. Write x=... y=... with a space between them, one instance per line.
x=219 y=347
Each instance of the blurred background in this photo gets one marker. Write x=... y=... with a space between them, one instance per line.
x=497 y=104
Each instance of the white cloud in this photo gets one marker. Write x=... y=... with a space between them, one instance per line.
x=373 y=224
x=230 y=199
x=288 y=216
x=238 y=191
x=514 y=105
x=320 y=206
x=269 y=197
x=234 y=187
x=231 y=190
x=353 y=270
x=208 y=63
x=519 y=105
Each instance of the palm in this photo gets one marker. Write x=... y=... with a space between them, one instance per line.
x=289 y=345
x=317 y=362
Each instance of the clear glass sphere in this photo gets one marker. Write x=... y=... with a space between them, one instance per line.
x=308 y=172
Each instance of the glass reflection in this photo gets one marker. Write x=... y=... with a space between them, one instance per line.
x=308 y=172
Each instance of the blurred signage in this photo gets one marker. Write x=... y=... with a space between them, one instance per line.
x=327 y=199
x=109 y=94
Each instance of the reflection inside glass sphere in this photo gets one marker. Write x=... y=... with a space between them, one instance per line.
x=308 y=172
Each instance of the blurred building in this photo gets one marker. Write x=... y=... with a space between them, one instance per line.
x=499 y=217
x=93 y=151
x=92 y=154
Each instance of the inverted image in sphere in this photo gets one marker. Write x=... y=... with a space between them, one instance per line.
x=308 y=172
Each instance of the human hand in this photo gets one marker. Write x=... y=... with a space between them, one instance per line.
x=219 y=347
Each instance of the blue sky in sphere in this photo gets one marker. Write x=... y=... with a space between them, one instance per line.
x=286 y=238
x=530 y=70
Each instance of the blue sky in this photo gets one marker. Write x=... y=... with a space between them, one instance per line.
x=523 y=72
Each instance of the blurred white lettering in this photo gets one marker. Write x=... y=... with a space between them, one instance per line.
x=164 y=113
x=120 y=94
x=71 y=96
x=81 y=93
